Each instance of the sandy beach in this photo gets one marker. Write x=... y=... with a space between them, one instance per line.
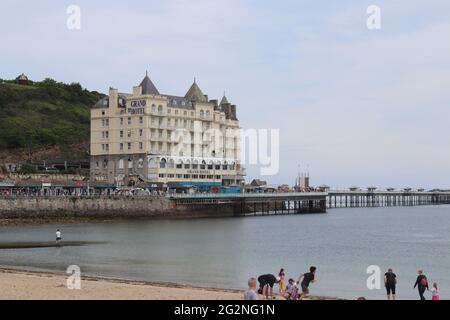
x=29 y=285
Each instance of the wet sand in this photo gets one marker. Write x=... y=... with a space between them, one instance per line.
x=50 y=244
x=27 y=285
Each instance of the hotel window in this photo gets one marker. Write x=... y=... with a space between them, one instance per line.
x=121 y=133
x=107 y=122
x=141 y=120
x=217 y=167
x=129 y=133
x=202 y=176
x=121 y=164
x=130 y=164
x=195 y=176
x=194 y=166
x=224 y=167
x=187 y=166
x=160 y=109
x=218 y=177
x=208 y=114
x=141 y=145
x=202 y=166
x=129 y=146
x=97 y=165
x=176 y=111
x=185 y=113
x=105 y=164
x=121 y=121
x=210 y=177
x=162 y=175
x=202 y=114
x=141 y=132
x=129 y=120
x=187 y=176
x=121 y=146
x=153 y=108
x=107 y=134
x=179 y=166
x=107 y=147
x=169 y=111
x=179 y=176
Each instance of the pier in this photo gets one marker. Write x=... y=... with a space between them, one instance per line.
x=244 y=204
x=373 y=198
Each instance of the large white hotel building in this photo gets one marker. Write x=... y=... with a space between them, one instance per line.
x=159 y=139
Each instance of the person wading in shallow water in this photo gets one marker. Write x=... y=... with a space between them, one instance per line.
x=421 y=284
x=58 y=236
x=390 y=282
x=309 y=277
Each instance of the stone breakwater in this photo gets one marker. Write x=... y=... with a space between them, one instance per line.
x=104 y=207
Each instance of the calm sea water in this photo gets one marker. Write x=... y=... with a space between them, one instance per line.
x=225 y=252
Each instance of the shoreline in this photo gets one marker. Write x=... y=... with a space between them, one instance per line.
x=19 y=283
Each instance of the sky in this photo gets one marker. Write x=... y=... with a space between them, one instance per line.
x=360 y=107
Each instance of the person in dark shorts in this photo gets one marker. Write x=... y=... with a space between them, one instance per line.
x=421 y=284
x=266 y=282
x=307 y=278
x=390 y=282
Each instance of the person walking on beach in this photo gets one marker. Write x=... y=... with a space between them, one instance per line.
x=266 y=283
x=421 y=284
x=390 y=282
x=58 y=236
x=307 y=278
x=281 y=275
x=251 y=294
x=435 y=292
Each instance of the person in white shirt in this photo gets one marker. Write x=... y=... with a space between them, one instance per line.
x=58 y=236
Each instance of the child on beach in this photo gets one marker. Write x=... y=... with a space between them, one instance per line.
x=291 y=292
x=281 y=275
x=435 y=292
x=250 y=294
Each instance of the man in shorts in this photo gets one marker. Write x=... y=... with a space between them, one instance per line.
x=58 y=236
x=390 y=282
x=307 y=278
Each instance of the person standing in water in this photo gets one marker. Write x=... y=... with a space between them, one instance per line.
x=421 y=284
x=58 y=236
x=390 y=282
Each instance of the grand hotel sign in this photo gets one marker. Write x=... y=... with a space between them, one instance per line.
x=137 y=107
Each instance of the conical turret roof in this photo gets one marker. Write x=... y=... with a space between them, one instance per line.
x=224 y=100
x=147 y=86
x=195 y=93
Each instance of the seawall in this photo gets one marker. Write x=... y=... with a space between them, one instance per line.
x=104 y=207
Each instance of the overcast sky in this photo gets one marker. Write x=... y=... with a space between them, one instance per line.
x=361 y=107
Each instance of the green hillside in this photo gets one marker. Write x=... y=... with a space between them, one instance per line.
x=44 y=114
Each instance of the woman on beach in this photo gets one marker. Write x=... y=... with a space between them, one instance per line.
x=435 y=292
x=421 y=284
x=281 y=275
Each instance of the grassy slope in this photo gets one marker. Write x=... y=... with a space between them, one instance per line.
x=44 y=115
